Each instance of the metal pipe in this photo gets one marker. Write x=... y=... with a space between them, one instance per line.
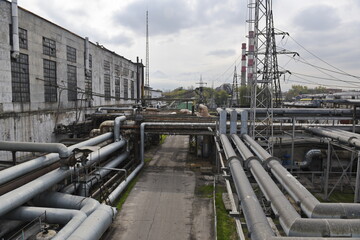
x=15 y=29
x=14 y=172
x=95 y=225
x=59 y=148
x=117 y=109
x=352 y=140
x=84 y=188
x=104 y=152
x=72 y=219
x=308 y=203
x=21 y=195
x=309 y=157
x=63 y=200
x=87 y=57
x=117 y=126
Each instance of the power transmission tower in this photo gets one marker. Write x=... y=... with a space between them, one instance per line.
x=147 y=83
x=234 y=101
x=200 y=90
x=263 y=74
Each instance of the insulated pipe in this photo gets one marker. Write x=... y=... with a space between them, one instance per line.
x=256 y=220
x=87 y=57
x=59 y=148
x=14 y=172
x=290 y=220
x=118 y=121
x=352 y=140
x=84 y=188
x=95 y=225
x=21 y=195
x=305 y=111
x=244 y=120
x=104 y=152
x=72 y=219
x=308 y=203
x=15 y=29
x=63 y=200
x=117 y=109
x=309 y=157
x=245 y=153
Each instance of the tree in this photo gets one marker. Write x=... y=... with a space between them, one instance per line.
x=221 y=98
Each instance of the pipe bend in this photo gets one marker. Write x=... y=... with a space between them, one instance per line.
x=59 y=148
x=336 y=210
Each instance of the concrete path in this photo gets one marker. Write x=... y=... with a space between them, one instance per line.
x=163 y=204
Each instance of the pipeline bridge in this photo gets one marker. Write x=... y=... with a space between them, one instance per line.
x=69 y=191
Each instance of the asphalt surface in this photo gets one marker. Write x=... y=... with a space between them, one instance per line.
x=163 y=203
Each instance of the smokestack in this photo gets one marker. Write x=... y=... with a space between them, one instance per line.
x=15 y=29
x=251 y=58
x=243 y=64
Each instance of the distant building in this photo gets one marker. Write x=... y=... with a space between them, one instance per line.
x=51 y=76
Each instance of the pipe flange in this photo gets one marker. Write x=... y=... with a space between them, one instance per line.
x=247 y=161
x=350 y=140
x=268 y=160
x=236 y=158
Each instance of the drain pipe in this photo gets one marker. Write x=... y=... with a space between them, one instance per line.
x=19 y=170
x=15 y=29
x=308 y=203
x=59 y=148
x=95 y=225
x=72 y=219
x=21 y=195
x=290 y=220
x=256 y=221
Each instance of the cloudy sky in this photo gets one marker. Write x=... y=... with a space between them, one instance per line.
x=193 y=38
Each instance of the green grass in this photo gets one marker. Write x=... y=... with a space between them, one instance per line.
x=226 y=229
x=125 y=195
x=147 y=160
x=205 y=191
x=337 y=196
x=162 y=139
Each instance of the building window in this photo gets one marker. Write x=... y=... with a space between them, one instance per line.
x=20 y=79
x=132 y=74
x=117 y=70
x=49 y=47
x=117 y=88
x=132 y=89
x=126 y=89
x=88 y=81
x=106 y=66
x=71 y=54
x=72 y=83
x=50 y=80
x=107 y=86
x=23 y=41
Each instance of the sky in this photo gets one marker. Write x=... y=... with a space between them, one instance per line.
x=190 y=39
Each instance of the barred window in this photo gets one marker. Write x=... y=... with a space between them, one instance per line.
x=90 y=60
x=117 y=70
x=106 y=66
x=126 y=89
x=72 y=83
x=88 y=81
x=132 y=89
x=49 y=47
x=71 y=54
x=107 y=87
x=20 y=78
x=117 y=88
x=50 y=80
x=23 y=40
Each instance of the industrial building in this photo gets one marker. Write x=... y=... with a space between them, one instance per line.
x=51 y=77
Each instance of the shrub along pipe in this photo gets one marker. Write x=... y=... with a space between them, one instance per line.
x=14 y=172
x=290 y=220
x=72 y=219
x=308 y=203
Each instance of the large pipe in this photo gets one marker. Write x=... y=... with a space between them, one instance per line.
x=72 y=219
x=62 y=200
x=14 y=172
x=104 y=152
x=59 y=148
x=290 y=220
x=95 y=225
x=15 y=29
x=118 y=121
x=351 y=139
x=21 y=195
x=308 y=203
x=87 y=57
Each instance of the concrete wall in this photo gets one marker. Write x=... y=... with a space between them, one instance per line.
x=35 y=120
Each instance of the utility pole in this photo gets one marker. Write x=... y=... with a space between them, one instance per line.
x=147 y=83
x=234 y=101
x=200 y=90
x=263 y=73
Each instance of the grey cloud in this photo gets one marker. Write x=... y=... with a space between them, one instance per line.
x=317 y=18
x=120 y=39
x=167 y=17
x=222 y=53
x=159 y=74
